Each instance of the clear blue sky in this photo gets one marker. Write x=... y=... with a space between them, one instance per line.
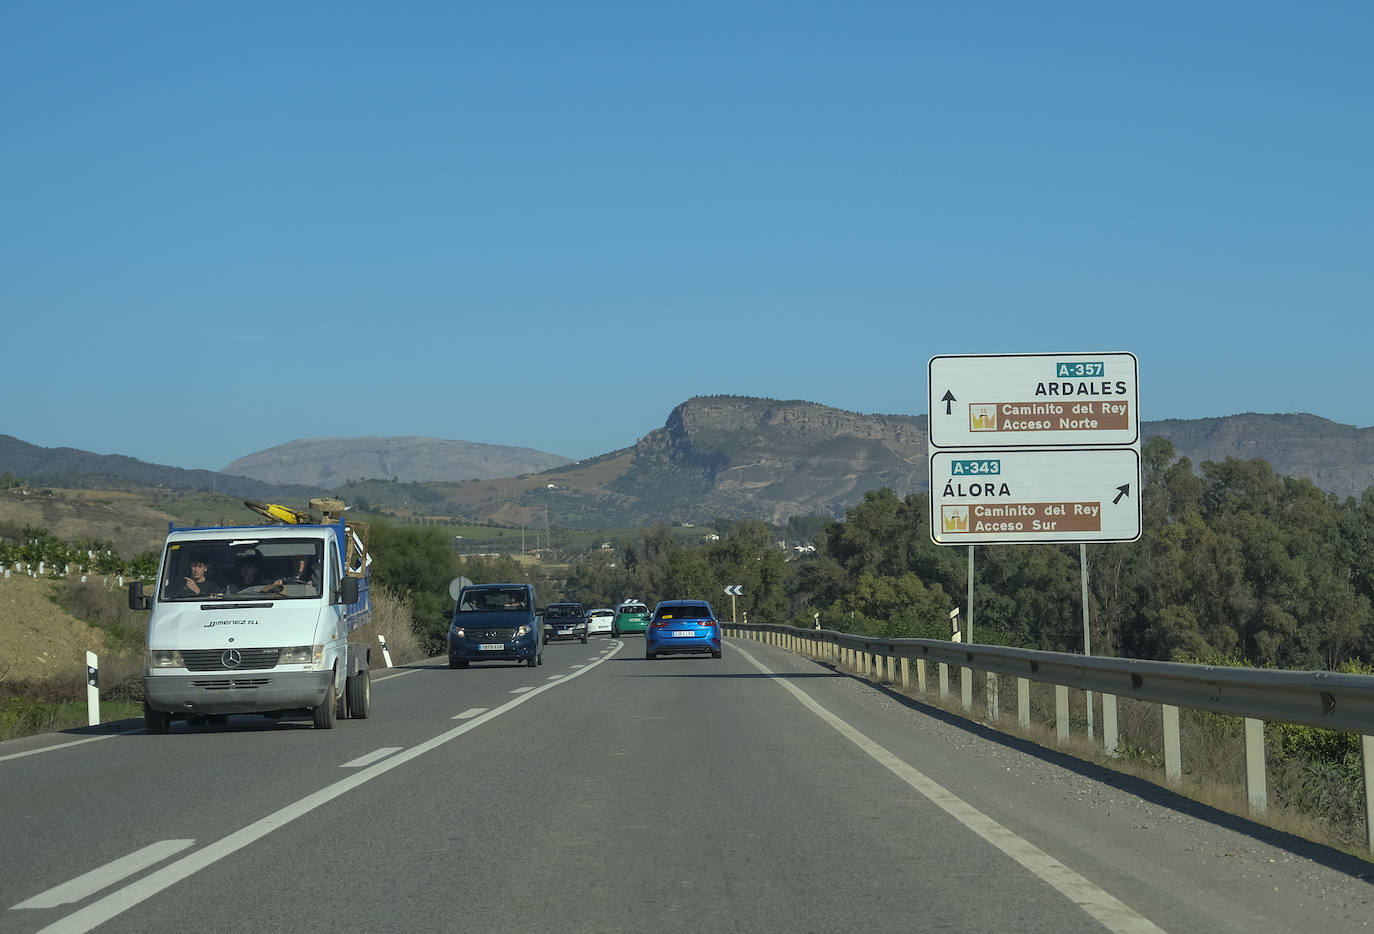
x=228 y=226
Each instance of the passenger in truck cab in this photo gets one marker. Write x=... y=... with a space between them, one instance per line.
x=300 y=570
x=196 y=583
x=247 y=573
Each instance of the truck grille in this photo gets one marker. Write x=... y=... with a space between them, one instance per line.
x=223 y=659
x=227 y=684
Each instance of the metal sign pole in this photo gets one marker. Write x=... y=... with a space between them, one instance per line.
x=1087 y=639
x=970 y=593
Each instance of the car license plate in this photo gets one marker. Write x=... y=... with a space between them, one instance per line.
x=492 y=646
x=685 y=632
x=565 y=632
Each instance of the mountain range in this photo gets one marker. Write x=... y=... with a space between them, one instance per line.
x=715 y=456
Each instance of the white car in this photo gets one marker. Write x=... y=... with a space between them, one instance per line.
x=599 y=621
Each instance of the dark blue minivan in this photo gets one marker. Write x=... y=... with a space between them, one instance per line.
x=495 y=623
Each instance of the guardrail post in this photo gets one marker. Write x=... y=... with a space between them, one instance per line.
x=1061 y=711
x=1367 y=748
x=1109 y=737
x=921 y=675
x=992 y=699
x=1023 y=701
x=906 y=674
x=966 y=687
x=1173 y=759
x=891 y=669
x=1256 y=788
x=944 y=680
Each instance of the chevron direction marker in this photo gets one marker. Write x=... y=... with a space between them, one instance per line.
x=734 y=590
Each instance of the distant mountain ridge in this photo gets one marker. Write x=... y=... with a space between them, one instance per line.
x=715 y=456
x=328 y=463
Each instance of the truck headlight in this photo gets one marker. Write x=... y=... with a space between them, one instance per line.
x=458 y=632
x=522 y=631
x=163 y=658
x=312 y=655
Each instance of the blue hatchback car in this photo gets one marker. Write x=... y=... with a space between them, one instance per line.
x=681 y=627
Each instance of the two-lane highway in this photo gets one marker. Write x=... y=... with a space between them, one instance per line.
x=605 y=792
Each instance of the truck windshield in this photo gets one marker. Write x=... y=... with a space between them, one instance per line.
x=220 y=568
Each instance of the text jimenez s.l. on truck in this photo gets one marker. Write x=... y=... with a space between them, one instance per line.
x=256 y=620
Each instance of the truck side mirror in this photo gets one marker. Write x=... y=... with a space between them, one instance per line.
x=348 y=590
x=137 y=601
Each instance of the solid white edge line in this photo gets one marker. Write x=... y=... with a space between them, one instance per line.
x=1110 y=911
x=75 y=742
x=371 y=757
x=91 y=882
x=122 y=900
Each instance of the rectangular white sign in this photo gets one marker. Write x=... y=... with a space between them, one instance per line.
x=1034 y=400
x=1074 y=495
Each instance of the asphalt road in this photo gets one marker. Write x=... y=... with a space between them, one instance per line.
x=602 y=792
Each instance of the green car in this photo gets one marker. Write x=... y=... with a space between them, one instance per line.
x=630 y=616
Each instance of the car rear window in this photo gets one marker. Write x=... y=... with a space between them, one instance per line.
x=685 y=611
x=634 y=608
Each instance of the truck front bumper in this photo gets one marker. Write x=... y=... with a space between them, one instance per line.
x=264 y=691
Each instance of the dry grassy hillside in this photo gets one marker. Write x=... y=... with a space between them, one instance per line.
x=38 y=639
x=125 y=519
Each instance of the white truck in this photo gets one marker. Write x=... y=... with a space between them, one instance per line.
x=256 y=620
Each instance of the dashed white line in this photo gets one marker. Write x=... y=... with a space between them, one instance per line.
x=121 y=900
x=91 y=882
x=521 y=690
x=469 y=713
x=371 y=757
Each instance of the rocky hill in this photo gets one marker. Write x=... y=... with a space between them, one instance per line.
x=328 y=463
x=715 y=456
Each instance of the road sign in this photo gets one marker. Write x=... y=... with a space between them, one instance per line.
x=734 y=590
x=1070 y=495
x=1034 y=400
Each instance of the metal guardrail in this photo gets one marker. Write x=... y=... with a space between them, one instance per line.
x=1323 y=699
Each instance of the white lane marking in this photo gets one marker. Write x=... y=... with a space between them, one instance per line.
x=521 y=690
x=398 y=674
x=371 y=757
x=122 y=900
x=91 y=882
x=469 y=713
x=554 y=678
x=75 y=742
x=575 y=667
x=1113 y=914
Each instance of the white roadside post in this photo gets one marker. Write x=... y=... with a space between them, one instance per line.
x=385 y=654
x=92 y=690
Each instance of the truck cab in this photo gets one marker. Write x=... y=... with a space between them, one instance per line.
x=256 y=620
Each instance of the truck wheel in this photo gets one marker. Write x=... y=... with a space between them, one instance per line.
x=532 y=660
x=359 y=689
x=156 y=722
x=325 y=712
